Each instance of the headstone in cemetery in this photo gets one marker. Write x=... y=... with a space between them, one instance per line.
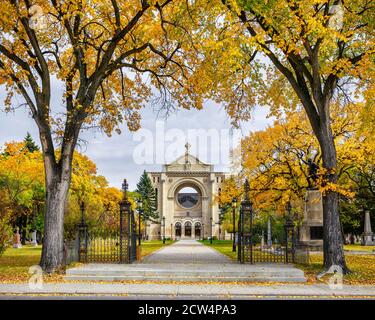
x=367 y=237
x=34 y=242
x=17 y=239
x=311 y=229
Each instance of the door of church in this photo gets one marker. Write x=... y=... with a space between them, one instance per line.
x=197 y=230
x=178 y=230
x=188 y=230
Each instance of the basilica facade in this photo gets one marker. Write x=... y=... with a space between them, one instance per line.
x=186 y=189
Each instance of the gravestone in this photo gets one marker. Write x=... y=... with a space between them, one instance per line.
x=17 y=239
x=367 y=237
x=311 y=229
x=34 y=242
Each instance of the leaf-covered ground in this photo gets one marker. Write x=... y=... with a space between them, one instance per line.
x=362 y=266
x=15 y=263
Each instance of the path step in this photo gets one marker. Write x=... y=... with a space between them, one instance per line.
x=186 y=279
x=190 y=273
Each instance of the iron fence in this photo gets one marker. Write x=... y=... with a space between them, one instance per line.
x=101 y=244
x=253 y=247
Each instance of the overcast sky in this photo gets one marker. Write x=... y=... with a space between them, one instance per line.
x=159 y=141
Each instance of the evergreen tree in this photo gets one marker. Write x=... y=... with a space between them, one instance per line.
x=148 y=196
x=30 y=143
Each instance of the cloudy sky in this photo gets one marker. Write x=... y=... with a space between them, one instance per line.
x=160 y=140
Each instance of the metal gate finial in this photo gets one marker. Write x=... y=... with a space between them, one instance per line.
x=125 y=189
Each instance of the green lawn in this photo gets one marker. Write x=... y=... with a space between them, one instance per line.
x=358 y=247
x=15 y=263
x=223 y=246
x=148 y=247
x=362 y=266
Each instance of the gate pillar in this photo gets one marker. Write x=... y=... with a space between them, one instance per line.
x=125 y=225
x=82 y=236
x=245 y=228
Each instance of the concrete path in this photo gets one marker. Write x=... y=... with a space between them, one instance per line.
x=187 y=251
x=187 y=291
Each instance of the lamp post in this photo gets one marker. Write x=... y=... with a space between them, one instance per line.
x=163 y=230
x=171 y=231
x=203 y=231
x=234 y=205
x=219 y=229
x=211 y=230
x=140 y=206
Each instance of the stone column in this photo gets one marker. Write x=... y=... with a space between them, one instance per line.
x=368 y=234
x=269 y=233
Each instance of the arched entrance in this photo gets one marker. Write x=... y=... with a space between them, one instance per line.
x=177 y=230
x=187 y=229
x=197 y=230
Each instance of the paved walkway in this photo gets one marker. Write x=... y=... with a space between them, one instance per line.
x=187 y=291
x=187 y=251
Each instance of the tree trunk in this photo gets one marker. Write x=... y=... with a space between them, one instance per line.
x=57 y=186
x=333 y=250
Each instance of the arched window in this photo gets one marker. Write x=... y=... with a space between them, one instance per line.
x=187 y=229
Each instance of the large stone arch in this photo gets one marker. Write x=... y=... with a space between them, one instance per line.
x=187 y=181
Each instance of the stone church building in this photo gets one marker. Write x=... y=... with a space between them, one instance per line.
x=185 y=191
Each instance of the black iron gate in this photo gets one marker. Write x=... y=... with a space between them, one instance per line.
x=109 y=243
x=255 y=244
